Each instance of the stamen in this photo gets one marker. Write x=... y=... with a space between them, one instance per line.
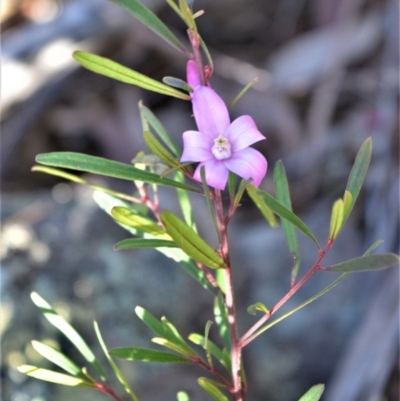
x=222 y=148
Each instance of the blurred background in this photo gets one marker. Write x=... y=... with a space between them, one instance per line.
x=327 y=80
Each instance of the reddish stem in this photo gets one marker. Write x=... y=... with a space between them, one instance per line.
x=249 y=335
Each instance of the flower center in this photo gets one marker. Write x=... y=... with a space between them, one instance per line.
x=222 y=148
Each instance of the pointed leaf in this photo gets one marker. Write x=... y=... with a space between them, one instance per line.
x=114 y=366
x=264 y=209
x=159 y=129
x=221 y=318
x=211 y=388
x=58 y=358
x=283 y=212
x=56 y=320
x=109 y=168
x=135 y=243
x=104 y=66
x=336 y=219
x=283 y=196
x=170 y=345
x=222 y=357
x=151 y=321
x=190 y=242
x=177 y=83
x=185 y=203
x=314 y=394
x=252 y=309
x=158 y=149
x=365 y=263
x=147 y=355
x=53 y=377
x=242 y=92
x=131 y=219
x=149 y=19
x=242 y=186
x=358 y=173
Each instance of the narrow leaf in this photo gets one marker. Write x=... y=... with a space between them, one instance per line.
x=284 y=213
x=358 y=173
x=136 y=243
x=177 y=83
x=131 y=219
x=158 y=149
x=147 y=355
x=264 y=209
x=210 y=387
x=58 y=358
x=185 y=203
x=159 y=129
x=114 y=366
x=365 y=263
x=337 y=218
x=283 y=196
x=170 y=345
x=222 y=357
x=53 y=377
x=190 y=242
x=314 y=394
x=252 y=309
x=242 y=186
x=56 y=320
x=151 y=321
x=221 y=318
x=107 y=202
x=109 y=168
x=242 y=92
x=149 y=19
x=104 y=66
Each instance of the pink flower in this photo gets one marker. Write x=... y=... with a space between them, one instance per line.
x=219 y=145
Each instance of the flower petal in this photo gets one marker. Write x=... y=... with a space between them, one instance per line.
x=248 y=163
x=196 y=147
x=192 y=75
x=216 y=173
x=210 y=112
x=242 y=133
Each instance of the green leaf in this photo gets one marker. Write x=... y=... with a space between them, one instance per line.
x=58 y=358
x=158 y=149
x=231 y=184
x=222 y=357
x=283 y=196
x=107 y=202
x=211 y=388
x=358 y=173
x=210 y=205
x=252 y=309
x=177 y=83
x=114 y=366
x=264 y=209
x=314 y=394
x=365 y=263
x=283 y=212
x=104 y=66
x=242 y=92
x=149 y=19
x=147 y=355
x=57 y=321
x=109 y=168
x=159 y=129
x=221 y=318
x=150 y=321
x=206 y=345
x=190 y=242
x=182 y=396
x=131 y=219
x=242 y=186
x=185 y=203
x=170 y=345
x=53 y=377
x=135 y=243
x=336 y=219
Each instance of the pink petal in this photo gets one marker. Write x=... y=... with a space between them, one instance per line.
x=192 y=75
x=242 y=133
x=216 y=173
x=248 y=163
x=210 y=112
x=196 y=147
